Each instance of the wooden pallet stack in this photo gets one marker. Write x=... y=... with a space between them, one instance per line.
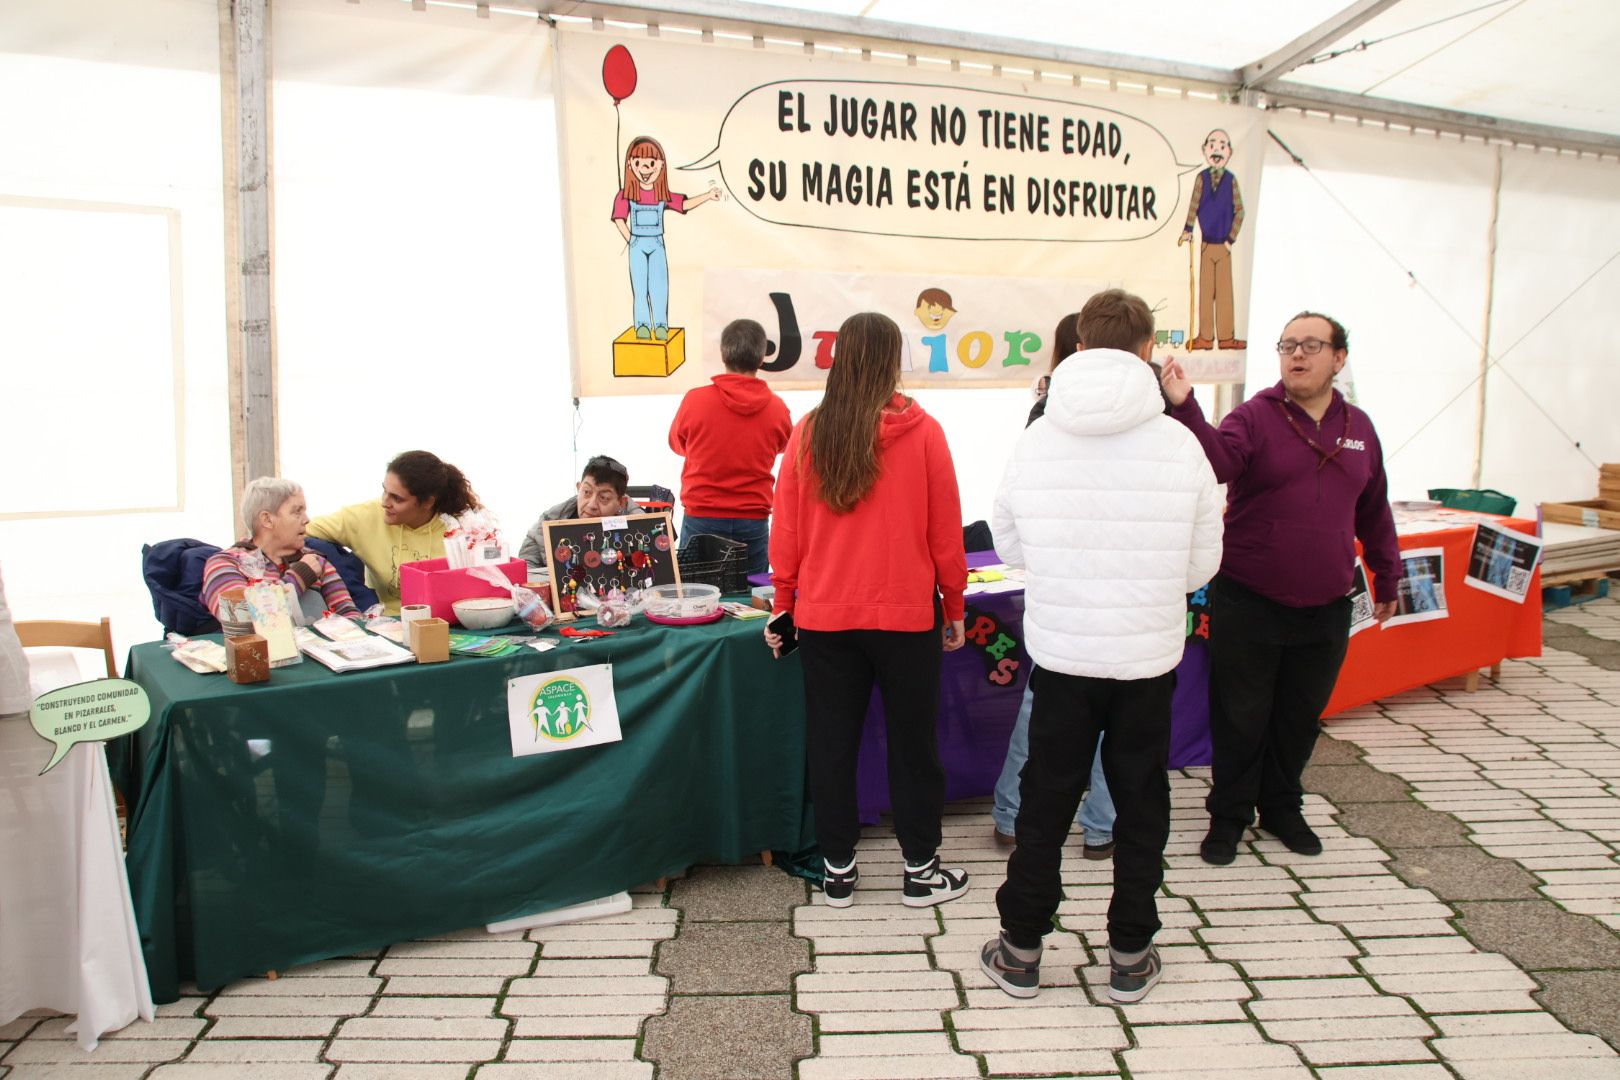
x=1583 y=538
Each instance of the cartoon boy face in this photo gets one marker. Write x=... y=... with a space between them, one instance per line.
x=646 y=169
x=932 y=315
x=1217 y=149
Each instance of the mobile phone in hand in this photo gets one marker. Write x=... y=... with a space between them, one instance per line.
x=782 y=625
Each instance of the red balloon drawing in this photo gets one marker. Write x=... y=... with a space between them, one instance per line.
x=619 y=73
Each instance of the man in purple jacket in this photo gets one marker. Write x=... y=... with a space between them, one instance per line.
x=1305 y=479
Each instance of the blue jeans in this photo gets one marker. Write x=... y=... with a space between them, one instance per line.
x=649 y=280
x=755 y=532
x=1096 y=816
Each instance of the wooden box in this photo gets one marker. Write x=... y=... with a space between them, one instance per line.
x=1609 y=482
x=1593 y=513
x=247 y=659
x=429 y=640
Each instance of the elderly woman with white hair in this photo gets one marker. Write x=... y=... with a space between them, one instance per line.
x=274 y=513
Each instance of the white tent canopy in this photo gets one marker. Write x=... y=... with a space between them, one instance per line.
x=419 y=295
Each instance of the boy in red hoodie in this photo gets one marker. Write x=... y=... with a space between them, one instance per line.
x=730 y=433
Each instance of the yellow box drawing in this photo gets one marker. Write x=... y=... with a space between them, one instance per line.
x=633 y=356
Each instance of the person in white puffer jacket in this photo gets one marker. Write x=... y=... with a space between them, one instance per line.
x=1115 y=516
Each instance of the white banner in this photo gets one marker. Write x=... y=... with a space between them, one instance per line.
x=707 y=182
x=562 y=710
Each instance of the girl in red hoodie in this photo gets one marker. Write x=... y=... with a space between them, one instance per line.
x=866 y=554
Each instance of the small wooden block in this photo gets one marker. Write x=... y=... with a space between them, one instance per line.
x=765 y=858
x=1471 y=683
x=429 y=640
x=247 y=659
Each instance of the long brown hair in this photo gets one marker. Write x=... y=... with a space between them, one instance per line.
x=426 y=477
x=844 y=427
x=1065 y=339
x=647 y=147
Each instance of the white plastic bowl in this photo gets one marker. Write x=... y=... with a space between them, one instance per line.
x=484 y=612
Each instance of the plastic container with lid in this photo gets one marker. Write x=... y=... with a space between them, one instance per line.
x=688 y=600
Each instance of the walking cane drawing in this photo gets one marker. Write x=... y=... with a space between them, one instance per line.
x=1192 y=294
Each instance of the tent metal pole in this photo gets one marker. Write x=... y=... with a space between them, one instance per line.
x=245 y=63
x=735 y=16
x=1227 y=84
x=1485 y=329
x=1269 y=69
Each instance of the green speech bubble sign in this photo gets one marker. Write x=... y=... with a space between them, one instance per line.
x=88 y=712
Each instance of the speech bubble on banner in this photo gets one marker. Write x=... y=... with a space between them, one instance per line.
x=914 y=159
x=88 y=712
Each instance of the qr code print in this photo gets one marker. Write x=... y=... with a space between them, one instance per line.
x=1518 y=580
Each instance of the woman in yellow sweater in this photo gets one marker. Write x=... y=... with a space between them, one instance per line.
x=404 y=525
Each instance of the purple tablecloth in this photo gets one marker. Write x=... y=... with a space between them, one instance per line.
x=976 y=714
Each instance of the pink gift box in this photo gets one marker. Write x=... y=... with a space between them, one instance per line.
x=432 y=582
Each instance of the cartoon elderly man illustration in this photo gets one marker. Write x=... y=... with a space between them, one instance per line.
x=1217 y=207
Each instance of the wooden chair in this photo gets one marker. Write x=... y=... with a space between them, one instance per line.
x=51 y=633
x=71 y=635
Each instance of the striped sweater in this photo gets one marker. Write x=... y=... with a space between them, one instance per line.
x=224 y=570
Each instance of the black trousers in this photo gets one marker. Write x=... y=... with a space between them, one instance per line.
x=1070 y=713
x=840 y=669
x=1272 y=670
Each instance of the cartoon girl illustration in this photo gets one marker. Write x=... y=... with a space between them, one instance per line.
x=638 y=211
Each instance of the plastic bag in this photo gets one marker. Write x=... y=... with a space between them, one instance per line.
x=473 y=539
x=531 y=608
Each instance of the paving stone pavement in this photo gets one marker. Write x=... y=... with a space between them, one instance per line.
x=1462 y=921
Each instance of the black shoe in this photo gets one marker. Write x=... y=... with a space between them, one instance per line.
x=1220 y=845
x=1128 y=984
x=1013 y=975
x=1098 y=852
x=838 y=884
x=1296 y=836
x=930 y=884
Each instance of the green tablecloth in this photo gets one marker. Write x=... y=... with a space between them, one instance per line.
x=321 y=814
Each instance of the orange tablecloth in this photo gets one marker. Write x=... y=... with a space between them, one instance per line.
x=1482 y=630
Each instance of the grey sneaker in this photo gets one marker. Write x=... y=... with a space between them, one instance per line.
x=1127 y=984
x=838 y=884
x=930 y=884
x=1019 y=979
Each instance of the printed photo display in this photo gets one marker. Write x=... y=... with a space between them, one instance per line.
x=1421 y=593
x=1361 y=602
x=1502 y=561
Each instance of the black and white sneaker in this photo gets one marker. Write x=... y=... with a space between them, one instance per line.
x=838 y=884
x=1019 y=977
x=1131 y=982
x=929 y=884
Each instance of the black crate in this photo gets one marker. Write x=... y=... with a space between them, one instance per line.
x=717 y=561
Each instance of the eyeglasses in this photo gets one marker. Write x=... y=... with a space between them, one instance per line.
x=1309 y=346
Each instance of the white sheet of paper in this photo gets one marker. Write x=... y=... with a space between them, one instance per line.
x=562 y=710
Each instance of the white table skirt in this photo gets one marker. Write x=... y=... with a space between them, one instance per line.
x=68 y=940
